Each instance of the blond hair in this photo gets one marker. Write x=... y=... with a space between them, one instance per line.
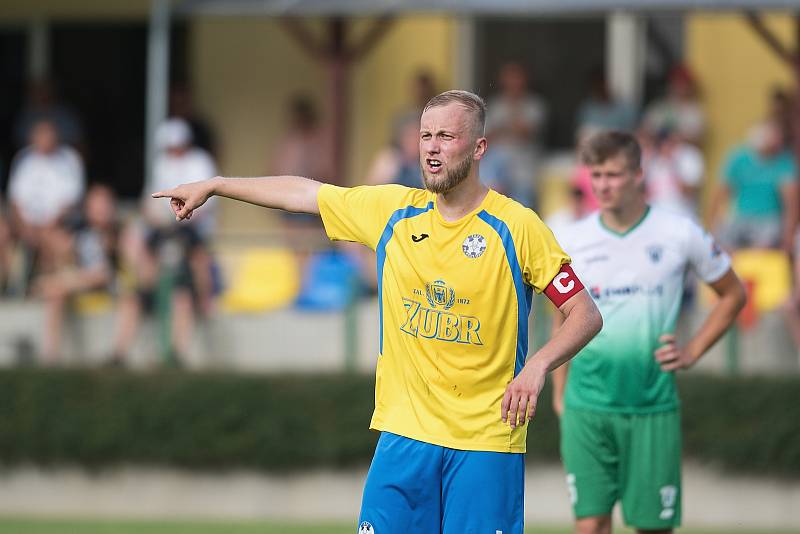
x=473 y=103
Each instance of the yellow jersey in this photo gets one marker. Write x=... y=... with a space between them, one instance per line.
x=454 y=299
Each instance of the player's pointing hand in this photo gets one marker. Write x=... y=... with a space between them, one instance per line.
x=185 y=198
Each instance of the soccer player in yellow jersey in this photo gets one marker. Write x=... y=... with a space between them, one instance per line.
x=457 y=265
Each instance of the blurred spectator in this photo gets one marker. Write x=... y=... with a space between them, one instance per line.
x=46 y=184
x=673 y=171
x=423 y=88
x=582 y=175
x=680 y=110
x=572 y=211
x=167 y=266
x=42 y=104
x=496 y=172
x=760 y=186
x=181 y=106
x=514 y=125
x=179 y=161
x=601 y=111
x=305 y=149
x=399 y=162
x=83 y=259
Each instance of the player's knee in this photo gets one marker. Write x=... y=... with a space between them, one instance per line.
x=593 y=525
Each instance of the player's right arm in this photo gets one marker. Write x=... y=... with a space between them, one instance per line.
x=289 y=193
x=560 y=373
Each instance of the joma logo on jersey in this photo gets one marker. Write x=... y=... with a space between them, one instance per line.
x=439 y=324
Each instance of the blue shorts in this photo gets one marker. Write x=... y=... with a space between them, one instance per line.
x=419 y=488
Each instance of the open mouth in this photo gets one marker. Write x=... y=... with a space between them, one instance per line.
x=434 y=165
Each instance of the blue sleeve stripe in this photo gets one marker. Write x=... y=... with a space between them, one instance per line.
x=380 y=250
x=524 y=293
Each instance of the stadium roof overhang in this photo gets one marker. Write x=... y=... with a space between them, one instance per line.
x=467 y=7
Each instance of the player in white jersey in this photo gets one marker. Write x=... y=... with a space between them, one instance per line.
x=620 y=424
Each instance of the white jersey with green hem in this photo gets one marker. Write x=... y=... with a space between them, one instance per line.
x=636 y=279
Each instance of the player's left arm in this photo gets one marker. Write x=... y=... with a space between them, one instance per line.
x=581 y=322
x=731 y=300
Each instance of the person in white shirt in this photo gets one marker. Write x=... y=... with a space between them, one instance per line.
x=673 y=171
x=46 y=184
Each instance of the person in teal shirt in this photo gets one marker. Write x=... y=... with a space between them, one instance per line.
x=759 y=185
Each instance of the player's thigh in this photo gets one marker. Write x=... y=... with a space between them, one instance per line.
x=403 y=487
x=482 y=492
x=651 y=497
x=591 y=460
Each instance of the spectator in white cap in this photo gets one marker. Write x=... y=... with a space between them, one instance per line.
x=178 y=161
x=189 y=259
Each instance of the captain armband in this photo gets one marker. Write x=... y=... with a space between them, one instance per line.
x=563 y=286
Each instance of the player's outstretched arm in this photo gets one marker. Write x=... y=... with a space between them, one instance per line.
x=731 y=300
x=582 y=321
x=290 y=193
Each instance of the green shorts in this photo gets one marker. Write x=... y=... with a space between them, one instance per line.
x=632 y=458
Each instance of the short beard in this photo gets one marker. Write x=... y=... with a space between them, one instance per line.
x=450 y=180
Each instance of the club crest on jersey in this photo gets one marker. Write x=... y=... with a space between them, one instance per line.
x=439 y=294
x=474 y=246
x=366 y=528
x=655 y=252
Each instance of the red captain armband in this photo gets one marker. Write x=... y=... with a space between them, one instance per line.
x=563 y=286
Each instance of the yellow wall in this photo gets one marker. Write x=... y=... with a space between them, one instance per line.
x=243 y=72
x=736 y=71
x=381 y=83
x=245 y=69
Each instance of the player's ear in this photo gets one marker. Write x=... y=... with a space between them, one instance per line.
x=480 y=148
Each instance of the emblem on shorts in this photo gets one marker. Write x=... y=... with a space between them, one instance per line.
x=439 y=294
x=474 y=246
x=572 y=489
x=365 y=528
x=669 y=497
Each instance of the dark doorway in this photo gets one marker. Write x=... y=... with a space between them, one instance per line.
x=99 y=70
x=12 y=88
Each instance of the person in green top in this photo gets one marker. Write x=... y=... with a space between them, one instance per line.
x=758 y=187
x=619 y=408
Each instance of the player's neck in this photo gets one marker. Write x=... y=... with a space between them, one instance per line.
x=462 y=199
x=622 y=219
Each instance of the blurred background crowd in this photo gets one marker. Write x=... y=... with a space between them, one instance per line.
x=80 y=238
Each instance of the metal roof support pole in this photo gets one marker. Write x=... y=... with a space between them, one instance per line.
x=38 y=49
x=626 y=42
x=157 y=78
x=465 y=52
x=337 y=55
